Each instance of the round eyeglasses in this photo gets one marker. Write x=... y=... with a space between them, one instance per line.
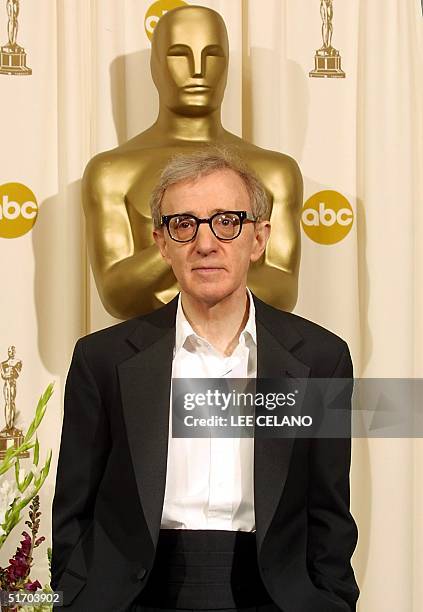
x=225 y=225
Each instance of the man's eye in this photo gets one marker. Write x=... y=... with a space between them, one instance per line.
x=227 y=220
x=183 y=223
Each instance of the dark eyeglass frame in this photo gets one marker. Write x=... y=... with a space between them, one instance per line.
x=242 y=215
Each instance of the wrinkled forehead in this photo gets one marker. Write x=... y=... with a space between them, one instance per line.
x=196 y=27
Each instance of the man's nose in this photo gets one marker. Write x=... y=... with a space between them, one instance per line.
x=205 y=241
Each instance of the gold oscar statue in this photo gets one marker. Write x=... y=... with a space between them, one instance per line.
x=12 y=56
x=189 y=64
x=327 y=59
x=10 y=435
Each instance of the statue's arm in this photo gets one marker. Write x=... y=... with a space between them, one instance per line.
x=125 y=279
x=275 y=277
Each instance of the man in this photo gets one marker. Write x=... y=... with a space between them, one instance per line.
x=142 y=520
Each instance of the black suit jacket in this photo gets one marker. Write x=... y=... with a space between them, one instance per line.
x=112 y=469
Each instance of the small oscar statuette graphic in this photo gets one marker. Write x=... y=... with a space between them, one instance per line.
x=10 y=435
x=327 y=59
x=12 y=56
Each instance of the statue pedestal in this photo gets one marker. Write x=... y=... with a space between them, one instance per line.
x=11 y=438
x=327 y=64
x=13 y=60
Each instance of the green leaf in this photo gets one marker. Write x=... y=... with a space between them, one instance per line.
x=11 y=454
x=36 y=452
x=11 y=460
x=17 y=466
x=27 y=480
x=39 y=412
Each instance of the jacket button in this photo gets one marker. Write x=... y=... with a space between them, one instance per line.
x=141 y=573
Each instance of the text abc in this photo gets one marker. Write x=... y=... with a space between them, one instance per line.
x=327 y=216
x=12 y=210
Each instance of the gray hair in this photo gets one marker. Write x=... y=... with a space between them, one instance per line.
x=190 y=166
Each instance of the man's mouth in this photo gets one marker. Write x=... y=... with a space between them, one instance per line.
x=206 y=269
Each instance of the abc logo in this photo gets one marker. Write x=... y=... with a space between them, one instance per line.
x=327 y=217
x=18 y=210
x=157 y=10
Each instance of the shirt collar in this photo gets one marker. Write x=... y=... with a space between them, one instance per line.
x=184 y=330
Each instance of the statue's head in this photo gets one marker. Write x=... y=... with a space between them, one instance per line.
x=189 y=60
x=11 y=351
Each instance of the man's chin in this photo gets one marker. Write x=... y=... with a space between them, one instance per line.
x=208 y=297
x=210 y=292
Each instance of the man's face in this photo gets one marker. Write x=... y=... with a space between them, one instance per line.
x=207 y=268
x=190 y=60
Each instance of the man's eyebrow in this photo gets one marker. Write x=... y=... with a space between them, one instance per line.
x=190 y=212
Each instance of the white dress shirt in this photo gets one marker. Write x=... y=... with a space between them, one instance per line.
x=209 y=482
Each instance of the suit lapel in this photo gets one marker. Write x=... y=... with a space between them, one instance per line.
x=145 y=390
x=145 y=382
x=272 y=455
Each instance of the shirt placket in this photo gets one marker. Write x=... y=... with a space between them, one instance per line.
x=223 y=463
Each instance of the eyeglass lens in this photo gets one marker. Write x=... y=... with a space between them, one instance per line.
x=225 y=226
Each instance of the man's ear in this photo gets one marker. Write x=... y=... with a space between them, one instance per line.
x=160 y=240
x=261 y=236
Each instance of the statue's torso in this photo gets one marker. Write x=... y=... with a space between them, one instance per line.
x=137 y=165
x=117 y=188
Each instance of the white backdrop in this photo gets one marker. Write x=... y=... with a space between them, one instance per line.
x=361 y=136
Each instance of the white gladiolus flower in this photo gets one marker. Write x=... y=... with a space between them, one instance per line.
x=8 y=492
